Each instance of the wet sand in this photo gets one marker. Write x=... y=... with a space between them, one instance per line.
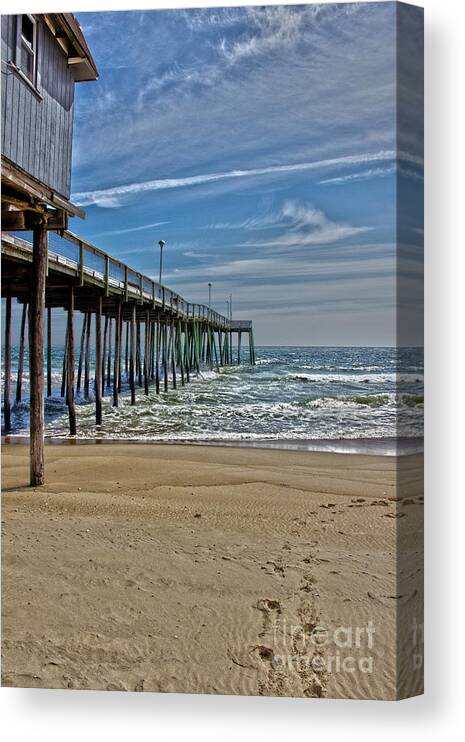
x=213 y=570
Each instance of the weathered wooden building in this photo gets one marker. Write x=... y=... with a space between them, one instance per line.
x=43 y=56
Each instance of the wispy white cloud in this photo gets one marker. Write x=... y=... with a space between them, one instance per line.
x=198 y=255
x=301 y=224
x=129 y=230
x=376 y=172
x=115 y=196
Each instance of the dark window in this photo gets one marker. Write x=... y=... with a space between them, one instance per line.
x=28 y=38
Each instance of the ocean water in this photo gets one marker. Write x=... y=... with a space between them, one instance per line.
x=348 y=399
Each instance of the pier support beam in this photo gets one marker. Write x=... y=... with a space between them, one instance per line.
x=98 y=362
x=165 y=355
x=81 y=353
x=157 y=356
x=173 y=354
x=132 y=356
x=49 y=352
x=65 y=357
x=126 y=352
x=147 y=352
x=36 y=353
x=7 y=362
x=19 y=381
x=104 y=353
x=87 y=358
x=116 y=367
x=109 y=353
x=138 y=355
x=70 y=365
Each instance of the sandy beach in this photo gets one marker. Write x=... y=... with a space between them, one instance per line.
x=212 y=570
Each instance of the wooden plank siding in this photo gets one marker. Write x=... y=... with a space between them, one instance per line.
x=37 y=125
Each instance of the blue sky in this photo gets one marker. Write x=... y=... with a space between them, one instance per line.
x=260 y=144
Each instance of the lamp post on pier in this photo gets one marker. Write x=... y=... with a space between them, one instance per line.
x=209 y=295
x=162 y=244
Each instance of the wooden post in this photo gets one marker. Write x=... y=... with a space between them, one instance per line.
x=239 y=339
x=180 y=358
x=116 y=356
x=132 y=356
x=81 y=353
x=65 y=361
x=146 y=352
x=120 y=337
x=98 y=362
x=104 y=353
x=109 y=353
x=173 y=355
x=19 y=381
x=126 y=351
x=152 y=349
x=165 y=356
x=220 y=345
x=36 y=353
x=138 y=354
x=212 y=331
x=196 y=346
x=187 y=351
x=49 y=352
x=157 y=356
x=7 y=385
x=70 y=364
x=87 y=358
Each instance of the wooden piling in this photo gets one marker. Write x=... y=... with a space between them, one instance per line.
x=104 y=352
x=7 y=367
x=173 y=355
x=187 y=360
x=120 y=338
x=146 y=352
x=116 y=366
x=49 y=352
x=157 y=356
x=132 y=356
x=36 y=349
x=65 y=362
x=165 y=355
x=109 y=353
x=152 y=349
x=138 y=354
x=22 y=332
x=98 y=361
x=70 y=365
x=36 y=352
x=239 y=340
x=81 y=353
x=126 y=353
x=179 y=352
x=87 y=358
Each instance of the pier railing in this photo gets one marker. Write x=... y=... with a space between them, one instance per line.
x=89 y=261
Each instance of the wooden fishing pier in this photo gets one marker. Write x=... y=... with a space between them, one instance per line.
x=140 y=329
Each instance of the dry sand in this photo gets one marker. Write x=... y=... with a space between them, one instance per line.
x=212 y=570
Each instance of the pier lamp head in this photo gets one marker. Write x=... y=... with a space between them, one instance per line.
x=162 y=244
